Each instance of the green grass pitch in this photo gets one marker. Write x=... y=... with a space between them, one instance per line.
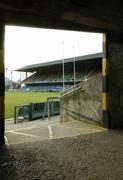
x=19 y=98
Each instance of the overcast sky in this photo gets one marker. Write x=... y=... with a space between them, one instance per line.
x=25 y=46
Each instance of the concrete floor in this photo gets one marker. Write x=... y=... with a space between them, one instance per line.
x=71 y=151
x=93 y=156
x=40 y=130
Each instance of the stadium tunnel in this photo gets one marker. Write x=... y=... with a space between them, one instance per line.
x=96 y=16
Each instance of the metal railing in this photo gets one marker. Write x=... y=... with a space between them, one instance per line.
x=52 y=107
x=36 y=110
x=79 y=86
x=21 y=111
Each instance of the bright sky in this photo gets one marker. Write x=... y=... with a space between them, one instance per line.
x=25 y=46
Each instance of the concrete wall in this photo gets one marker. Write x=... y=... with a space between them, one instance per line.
x=83 y=101
x=115 y=79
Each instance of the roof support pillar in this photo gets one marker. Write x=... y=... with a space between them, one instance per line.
x=115 y=79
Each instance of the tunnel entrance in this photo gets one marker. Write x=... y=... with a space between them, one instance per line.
x=63 y=74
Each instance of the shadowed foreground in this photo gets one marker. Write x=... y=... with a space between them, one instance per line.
x=96 y=156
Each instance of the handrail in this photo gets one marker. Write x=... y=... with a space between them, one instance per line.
x=71 y=89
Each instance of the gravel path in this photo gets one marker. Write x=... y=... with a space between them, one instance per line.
x=97 y=156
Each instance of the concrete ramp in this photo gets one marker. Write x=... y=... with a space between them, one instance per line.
x=83 y=101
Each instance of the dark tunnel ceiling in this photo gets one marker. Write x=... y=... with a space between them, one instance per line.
x=95 y=15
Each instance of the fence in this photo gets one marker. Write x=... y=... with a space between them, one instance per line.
x=37 y=110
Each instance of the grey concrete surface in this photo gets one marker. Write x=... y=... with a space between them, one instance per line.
x=94 y=156
x=40 y=130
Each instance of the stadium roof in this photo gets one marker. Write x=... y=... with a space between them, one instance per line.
x=35 y=67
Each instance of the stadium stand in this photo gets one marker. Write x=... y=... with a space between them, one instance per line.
x=41 y=88
x=49 y=76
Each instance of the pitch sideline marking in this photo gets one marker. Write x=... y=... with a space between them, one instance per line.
x=6 y=140
x=24 y=134
x=31 y=127
x=50 y=131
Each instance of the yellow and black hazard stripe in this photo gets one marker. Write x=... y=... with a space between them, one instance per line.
x=105 y=88
x=2 y=85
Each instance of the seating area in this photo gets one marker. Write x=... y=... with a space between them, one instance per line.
x=43 y=77
x=56 y=77
x=51 y=79
x=41 y=88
